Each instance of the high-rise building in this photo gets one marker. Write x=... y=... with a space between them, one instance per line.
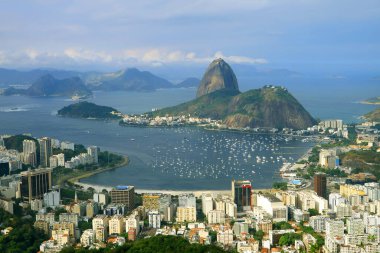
x=35 y=183
x=123 y=195
x=154 y=218
x=151 y=202
x=241 y=194
x=29 y=152
x=45 y=152
x=207 y=203
x=320 y=184
x=93 y=152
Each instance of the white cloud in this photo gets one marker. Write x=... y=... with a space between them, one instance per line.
x=129 y=57
x=154 y=56
x=87 y=55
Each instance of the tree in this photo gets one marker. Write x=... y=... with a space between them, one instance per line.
x=281 y=225
x=259 y=235
x=313 y=212
x=289 y=239
x=280 y=185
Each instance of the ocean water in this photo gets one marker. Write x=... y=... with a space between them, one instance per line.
x=169 y=158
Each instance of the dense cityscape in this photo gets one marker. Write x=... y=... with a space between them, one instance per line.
x=321 y=204
x=206 y=126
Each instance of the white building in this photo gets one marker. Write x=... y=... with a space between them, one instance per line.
x=318 y=223
x=273 y=207
x=216 y=217
x=334 y=228
x=132 y=221
x=88 y=238
x=100 y=198
x=154 y=218
x=355 y=226
x=207 y=203
x=93 y=152
x=186 y=200
x=52 y=199
x=226 y=237
x=67 y=145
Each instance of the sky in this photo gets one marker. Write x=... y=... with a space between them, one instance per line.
x=306 y=36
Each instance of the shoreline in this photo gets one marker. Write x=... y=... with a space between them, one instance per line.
x=76 y=180
x=196 y=192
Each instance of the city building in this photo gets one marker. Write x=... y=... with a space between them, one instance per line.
x=35 y=183
x=186 y=214
x=69 y=217
x=151 y=202
x=225 y=237
x=87 y=238
x=154 y=219
x=241 y=194
x=67 y=145
x=100 y=225
x=52 y=198
x=45 y=152
x=207 y=203
x=318 y=223
x=100 y=198
x=29 y=152
x=320 y=184
x=186 y=200
x=123 y=195
x=92 y=209
x=273 y=207
x=116 y=225
x=93 y=152
x=216 y=217
x=132 y=221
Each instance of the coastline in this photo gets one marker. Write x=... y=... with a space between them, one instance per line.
x=196 y=192
x=369 y=103
x=76 y=179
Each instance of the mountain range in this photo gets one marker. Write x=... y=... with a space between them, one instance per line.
x=130 y=79
x=47 y=85
x=218 y=97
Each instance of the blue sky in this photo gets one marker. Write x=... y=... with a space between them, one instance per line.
x=332 y=36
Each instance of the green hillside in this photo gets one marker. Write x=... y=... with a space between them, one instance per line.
x=266 y=107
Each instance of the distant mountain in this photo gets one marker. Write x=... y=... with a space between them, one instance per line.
x=373 y=116
x=130 y=79
x=269 y=106
x=219 y=75
x=47 y=85
x=188 y=83
x=89 y=110
x=10 y=76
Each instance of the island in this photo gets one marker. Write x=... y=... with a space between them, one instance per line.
x=87 y=110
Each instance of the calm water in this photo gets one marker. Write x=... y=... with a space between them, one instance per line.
x=183 y=158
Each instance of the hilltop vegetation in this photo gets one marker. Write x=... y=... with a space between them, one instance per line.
x=23 y=238
x=88 y=110
x=15 y=142
x=157 y=244
x=219 y=98
x=265 y=107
